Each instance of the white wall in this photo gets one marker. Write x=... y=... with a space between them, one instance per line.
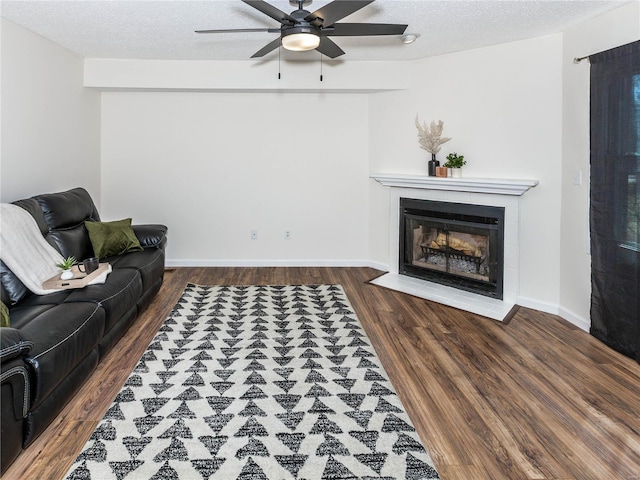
x=214 y=166
x=616 y=28
x=50 y=122
x=503 y=107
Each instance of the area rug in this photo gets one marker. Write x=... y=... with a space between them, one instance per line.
x=257 y=382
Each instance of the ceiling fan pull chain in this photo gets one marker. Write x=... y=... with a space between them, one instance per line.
x=321 y=66
x=279 y=48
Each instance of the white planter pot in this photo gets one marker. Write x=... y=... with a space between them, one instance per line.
x=66 y=275
x=456 y=172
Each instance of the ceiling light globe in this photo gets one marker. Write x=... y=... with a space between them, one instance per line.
x=300 y=42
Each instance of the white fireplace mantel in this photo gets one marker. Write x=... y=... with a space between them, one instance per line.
x=500 y=186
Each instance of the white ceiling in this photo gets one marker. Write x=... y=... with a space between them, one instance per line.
x=152 y=29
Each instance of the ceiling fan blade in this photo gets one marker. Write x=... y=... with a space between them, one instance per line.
x=270 y=10
x=267 y=48
x=239 y=30
x=364 y=29
x=334 y=11
x=329 y=48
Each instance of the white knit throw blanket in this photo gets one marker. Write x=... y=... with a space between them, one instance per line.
x=25 y=251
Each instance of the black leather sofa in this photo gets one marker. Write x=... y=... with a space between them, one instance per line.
x=55 y=341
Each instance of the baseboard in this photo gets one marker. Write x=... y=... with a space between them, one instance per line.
x=546 y=307
x=568 y=315
x=575 y=319
x=274 y=263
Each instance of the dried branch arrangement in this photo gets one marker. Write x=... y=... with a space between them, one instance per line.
x=430 y=138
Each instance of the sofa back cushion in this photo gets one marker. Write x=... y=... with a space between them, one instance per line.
x=64 y=214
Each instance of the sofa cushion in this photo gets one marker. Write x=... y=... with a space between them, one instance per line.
x=72 y=242
x=62 y=335
x=64 y=214
x=116 y=296
x=112 y=238
x=149 y=263
x=23 y=313
x=68 y=209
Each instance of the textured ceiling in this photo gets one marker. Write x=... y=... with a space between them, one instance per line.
x=151 y=29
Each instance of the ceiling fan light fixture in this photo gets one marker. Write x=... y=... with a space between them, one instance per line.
x=300 y=41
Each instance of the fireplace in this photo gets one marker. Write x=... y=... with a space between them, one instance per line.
x=453 y=244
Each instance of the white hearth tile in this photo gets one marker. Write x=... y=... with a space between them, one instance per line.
x=470 y=302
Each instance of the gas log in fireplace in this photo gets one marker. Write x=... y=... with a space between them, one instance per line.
x=453 y=244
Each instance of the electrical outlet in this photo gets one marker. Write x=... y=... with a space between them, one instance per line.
x=254 y=234
x=287 y=234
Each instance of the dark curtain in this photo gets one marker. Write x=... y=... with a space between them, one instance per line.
x=615 y=198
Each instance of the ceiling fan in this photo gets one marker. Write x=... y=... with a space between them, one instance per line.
x=302 y=30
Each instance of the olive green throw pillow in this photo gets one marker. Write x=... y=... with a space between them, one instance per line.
x=112 y=238
x=4 y=316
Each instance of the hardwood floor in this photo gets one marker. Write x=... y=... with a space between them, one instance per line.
x=536 y=398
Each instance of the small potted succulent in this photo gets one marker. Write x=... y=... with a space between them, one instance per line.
x=66 y=265
x=455 y=163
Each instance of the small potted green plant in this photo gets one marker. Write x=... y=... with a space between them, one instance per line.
x=455 y=163
x=66 y=265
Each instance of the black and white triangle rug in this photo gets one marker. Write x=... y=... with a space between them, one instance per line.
x=257 y=382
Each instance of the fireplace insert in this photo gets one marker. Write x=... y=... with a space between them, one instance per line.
x=453 y=244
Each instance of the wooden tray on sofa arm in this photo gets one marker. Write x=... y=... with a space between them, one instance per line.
x=79 y=279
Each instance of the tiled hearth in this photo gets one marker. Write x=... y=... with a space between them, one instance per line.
x=477 y=191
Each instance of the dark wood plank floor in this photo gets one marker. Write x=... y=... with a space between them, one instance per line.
x=536 y=398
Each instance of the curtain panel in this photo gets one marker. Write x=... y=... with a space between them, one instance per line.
x=615 y=198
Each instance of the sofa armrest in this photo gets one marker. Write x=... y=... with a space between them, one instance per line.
x=16 y=392
x=13 y=343
x=151 y=236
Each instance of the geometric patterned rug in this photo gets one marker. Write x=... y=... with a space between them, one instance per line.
x=257 y=382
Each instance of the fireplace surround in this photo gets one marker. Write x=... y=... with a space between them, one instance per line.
x=493 y=192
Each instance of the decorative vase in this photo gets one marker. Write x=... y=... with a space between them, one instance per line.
x=456 y=172
x=66 y=275
x=433 y=163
